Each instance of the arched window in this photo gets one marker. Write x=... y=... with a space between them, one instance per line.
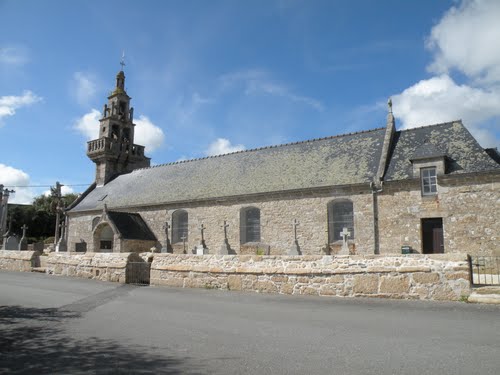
x=340 y=216
x=179 y=226
x=249 y=225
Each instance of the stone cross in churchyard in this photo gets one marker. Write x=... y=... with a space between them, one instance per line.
x=326 y=249
x=165 y=249
x=183 y=238
x=201 y=248
x=23 y=243
x=295 y=249
x=61 y=244
x=225 y=248
x=345 y=248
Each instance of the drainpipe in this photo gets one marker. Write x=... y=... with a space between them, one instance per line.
x=375 y=191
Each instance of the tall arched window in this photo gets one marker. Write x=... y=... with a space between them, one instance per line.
x=179 y=226
x=340 y=216
x=249 y=225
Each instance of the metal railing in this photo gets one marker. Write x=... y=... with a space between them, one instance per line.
x=484 y=270
x=138 y=273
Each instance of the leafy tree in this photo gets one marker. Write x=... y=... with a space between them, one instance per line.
x=40 y=217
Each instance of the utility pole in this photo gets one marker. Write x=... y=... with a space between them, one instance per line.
x=4 y=201
x=58 y=211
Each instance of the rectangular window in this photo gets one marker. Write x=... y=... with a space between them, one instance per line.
x=429 y=181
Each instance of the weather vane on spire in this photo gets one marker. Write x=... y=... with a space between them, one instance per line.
x=122 y=61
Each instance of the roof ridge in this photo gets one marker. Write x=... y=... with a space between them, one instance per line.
x=431 y=125
x=263 y=148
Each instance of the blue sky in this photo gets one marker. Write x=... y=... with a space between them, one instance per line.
x=209 y=77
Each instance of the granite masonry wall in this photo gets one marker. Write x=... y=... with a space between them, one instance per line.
x=19 y=260
x=469 y=208
x=431 y=277
x=277 y=214
x=98 y=266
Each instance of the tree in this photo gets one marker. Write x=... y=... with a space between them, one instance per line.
x=40 y=217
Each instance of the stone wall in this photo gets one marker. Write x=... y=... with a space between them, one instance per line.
x=99 y=266
x=24 y=261
x=431 y=277
x=469 y=207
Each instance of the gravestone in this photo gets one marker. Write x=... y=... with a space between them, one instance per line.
x=81 y=247
x=295 y=249
x=23 y=243
x=12 y=243
x=345 y=247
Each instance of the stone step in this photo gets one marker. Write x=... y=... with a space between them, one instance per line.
x=485 y=294
x=38 y=269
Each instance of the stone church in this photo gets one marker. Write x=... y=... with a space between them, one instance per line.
x=431 y=189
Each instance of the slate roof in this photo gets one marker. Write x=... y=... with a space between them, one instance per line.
x=339 y=160
x=334 y=161
x=464 y=154
x=131 y=226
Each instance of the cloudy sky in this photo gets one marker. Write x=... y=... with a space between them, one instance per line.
x=211 y=77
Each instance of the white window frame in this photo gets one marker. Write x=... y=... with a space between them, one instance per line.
x=428 y=181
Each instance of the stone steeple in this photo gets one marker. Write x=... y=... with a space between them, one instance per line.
x=114 y=152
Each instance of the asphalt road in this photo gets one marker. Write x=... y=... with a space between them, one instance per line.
x=58 y=325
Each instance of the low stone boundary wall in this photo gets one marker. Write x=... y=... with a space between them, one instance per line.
x=429 y=277
x=98 y=266
x=23 y=261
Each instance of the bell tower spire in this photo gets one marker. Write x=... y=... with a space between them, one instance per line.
x=114 y=152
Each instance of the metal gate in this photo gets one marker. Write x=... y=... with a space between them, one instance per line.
x=484 y=270
x=138 y=273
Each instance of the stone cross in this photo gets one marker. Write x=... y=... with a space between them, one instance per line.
x=23 y=243
x=295 y=223
x=183 y=238
x=225 y=248
x=345 y=248
x=225 y=225
x=166 y=227
x=202 y=229
x=295 y=249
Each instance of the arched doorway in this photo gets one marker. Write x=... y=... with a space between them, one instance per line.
x=103 y=239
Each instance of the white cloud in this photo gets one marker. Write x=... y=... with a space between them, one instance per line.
x=83 y=87
x=146 y=132
x=11 y=177
x=13 y=55
x=88 y=124
x=440 y=99
x=259 y=82
x=9 y=104
x=222 y=146
x=466 y=39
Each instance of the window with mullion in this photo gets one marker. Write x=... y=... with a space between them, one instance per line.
x=429 y=181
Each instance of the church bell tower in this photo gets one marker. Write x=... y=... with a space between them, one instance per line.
x=114 y=152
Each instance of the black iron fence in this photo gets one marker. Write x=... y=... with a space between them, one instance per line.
x=138 y=273
x=484 y=270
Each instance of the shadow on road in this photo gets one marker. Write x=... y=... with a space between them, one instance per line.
x=32 y=341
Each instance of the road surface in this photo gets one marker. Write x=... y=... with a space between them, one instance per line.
x=59 y=325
